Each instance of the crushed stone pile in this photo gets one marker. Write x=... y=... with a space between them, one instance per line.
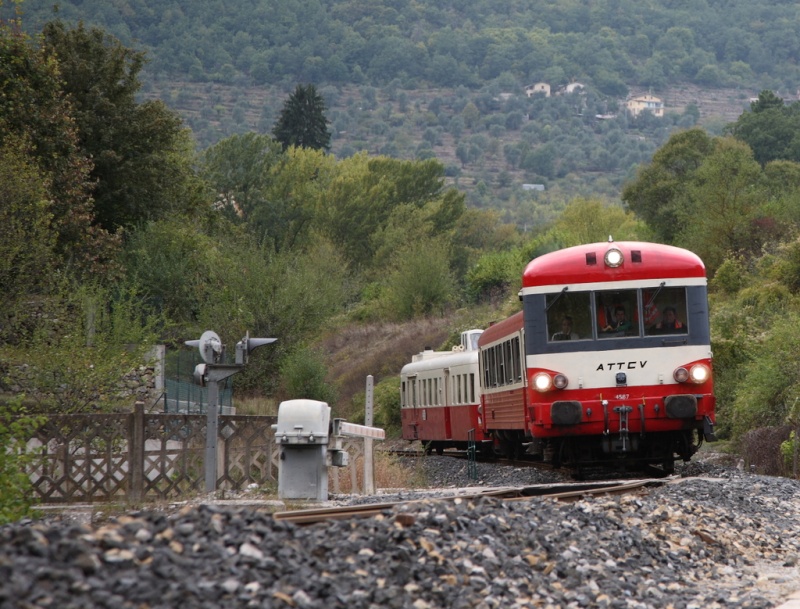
x=728 y=541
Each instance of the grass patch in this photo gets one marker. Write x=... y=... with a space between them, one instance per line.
x=390 y=470
x=256 y=405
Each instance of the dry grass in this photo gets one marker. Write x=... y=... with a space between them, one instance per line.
x=255 y=405
x=352 y=352
x=379 y=349
x=390 y=472
x=762 y=448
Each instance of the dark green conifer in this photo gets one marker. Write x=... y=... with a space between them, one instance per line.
x=302 y=121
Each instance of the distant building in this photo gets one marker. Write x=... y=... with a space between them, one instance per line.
x=639 y=104
x=533 y=187
x=539 y=87
x=574 y=87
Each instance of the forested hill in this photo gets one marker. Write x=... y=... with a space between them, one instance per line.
x=610 y=44
x=447 y=78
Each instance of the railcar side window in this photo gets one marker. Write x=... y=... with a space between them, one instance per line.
x=502 y=364
x=569 y=316
x=664 y=311
x=617 y=313
x=472 y=387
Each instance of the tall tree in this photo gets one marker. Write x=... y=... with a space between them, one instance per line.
x=659 y=190
x=725 y=198
x=26 y=237
x=367 y=191
x=302 y=121
x=141 y=152
x=298 y=183
x=238 y=169
x=36 y=121
x=589 y=220
x=771 y=129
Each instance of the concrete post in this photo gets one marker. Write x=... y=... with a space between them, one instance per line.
x=369 y=466
x=212 y=426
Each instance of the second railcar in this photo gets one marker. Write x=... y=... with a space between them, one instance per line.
x=439 y=397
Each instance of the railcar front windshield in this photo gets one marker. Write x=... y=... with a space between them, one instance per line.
x=609 y=314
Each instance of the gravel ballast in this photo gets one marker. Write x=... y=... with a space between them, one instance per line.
x=729 y=539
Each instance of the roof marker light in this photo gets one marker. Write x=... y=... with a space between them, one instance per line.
x=613 y=257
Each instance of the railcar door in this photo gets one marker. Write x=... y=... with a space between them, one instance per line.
x=447 y=405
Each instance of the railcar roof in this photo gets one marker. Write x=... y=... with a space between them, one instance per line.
x=443 y=359
x=584 y=264
x=500 y=329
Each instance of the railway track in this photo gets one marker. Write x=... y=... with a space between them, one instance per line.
x=464 y=455
x=559 y=492
x=582 y=472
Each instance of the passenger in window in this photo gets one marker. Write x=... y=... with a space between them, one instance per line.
x=669 y=324
x=620 y=323
x=566 y=330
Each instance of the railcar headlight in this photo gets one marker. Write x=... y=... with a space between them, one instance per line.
x=699 y=373
x=613 y=257
x=560 y=381
x=681 y=375
x=542 y=382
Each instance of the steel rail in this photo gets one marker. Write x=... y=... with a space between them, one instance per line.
x=558 y=492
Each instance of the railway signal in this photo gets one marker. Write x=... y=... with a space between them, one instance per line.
x=209 y=375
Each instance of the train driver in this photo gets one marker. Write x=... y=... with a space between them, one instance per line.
x=566 y=330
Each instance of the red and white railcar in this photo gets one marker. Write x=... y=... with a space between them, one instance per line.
x=609 y=359
x=440 y=394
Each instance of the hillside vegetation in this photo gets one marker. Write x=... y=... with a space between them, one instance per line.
x=610 y=44
x=511 y=140
x=425 y=79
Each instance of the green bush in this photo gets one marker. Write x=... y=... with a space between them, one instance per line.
x=421 y=282
x=768 y=386
x=82 y=343
x=15 y=457
x=303 y=374
x=386 y=402
x=730 y=277
x=493 y=274
x=789 y=448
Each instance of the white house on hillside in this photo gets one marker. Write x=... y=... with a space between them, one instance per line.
x=639 y=104
x=539 y=87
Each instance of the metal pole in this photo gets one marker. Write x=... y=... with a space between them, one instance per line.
x=472 y=466
x=212 y=423
x=136 y=452
x=369 y=470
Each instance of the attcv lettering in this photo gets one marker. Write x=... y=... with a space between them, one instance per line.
x=608 y=367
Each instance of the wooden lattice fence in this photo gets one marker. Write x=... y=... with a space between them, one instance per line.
x=87 y=458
